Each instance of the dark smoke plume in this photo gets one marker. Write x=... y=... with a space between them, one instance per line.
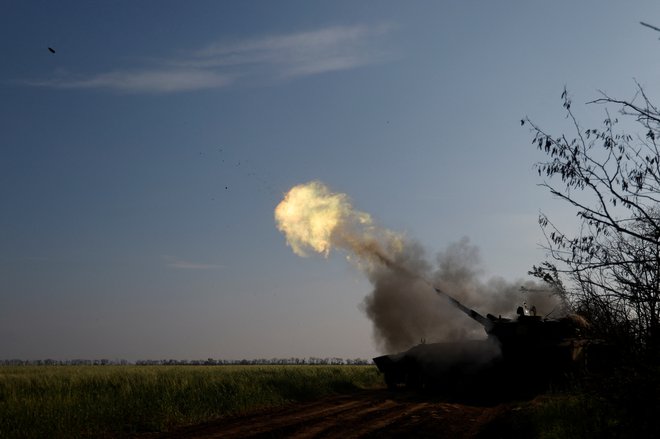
x=406 y=310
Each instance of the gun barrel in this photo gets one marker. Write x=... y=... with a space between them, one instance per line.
x=483 y=321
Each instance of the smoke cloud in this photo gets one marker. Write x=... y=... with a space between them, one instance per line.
x=403 y=306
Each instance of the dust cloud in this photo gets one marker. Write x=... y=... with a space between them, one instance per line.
x=403 y=305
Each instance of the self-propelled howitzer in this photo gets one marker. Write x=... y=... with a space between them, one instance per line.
x=527 y=352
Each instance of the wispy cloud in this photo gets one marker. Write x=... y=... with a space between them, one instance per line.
x=221 y=64
x=181 y=264
x=147 y=81
x=302 y=53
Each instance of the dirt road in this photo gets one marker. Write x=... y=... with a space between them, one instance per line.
x=366 y=414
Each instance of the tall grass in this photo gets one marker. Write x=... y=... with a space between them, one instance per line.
x=112 y=401
x=577 y=416
x=624 y=403
x=557 y=416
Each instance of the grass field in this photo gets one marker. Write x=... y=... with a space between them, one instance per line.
x=116 y=401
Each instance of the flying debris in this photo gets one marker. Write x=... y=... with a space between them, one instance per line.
x=51 y=50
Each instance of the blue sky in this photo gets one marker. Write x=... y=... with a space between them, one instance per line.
x=141 y=163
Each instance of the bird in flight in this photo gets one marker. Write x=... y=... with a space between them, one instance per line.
x=51 y=50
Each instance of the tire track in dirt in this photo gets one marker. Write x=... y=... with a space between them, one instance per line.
x=368 y=414
x=293 y=425
x=322 y=426
x=362 y=427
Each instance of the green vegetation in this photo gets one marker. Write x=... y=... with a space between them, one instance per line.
x=564 y=416
x=624 y=403
x=112 y=401
x=574 y=416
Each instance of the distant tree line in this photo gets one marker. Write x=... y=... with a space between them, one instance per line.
x=313 y=361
